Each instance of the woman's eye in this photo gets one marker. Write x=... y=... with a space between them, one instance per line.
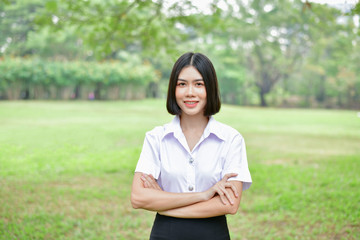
x=181 y=84
x=199 y=84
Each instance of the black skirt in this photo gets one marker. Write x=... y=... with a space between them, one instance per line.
x=170 y=228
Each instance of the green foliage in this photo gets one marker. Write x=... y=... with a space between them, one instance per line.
x=233 y=78
x=109 y=26
x=329 y=73
x=30 y=75
x=265 y=52
x=16 y=21
x=356 y=9
x=21 y=35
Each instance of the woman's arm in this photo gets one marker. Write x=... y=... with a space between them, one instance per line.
x=210 y=208
x=158 y=200
x=147 y=194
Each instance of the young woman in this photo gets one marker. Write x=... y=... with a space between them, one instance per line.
x=192 y=170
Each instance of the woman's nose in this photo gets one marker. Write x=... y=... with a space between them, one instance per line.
x=190 y=90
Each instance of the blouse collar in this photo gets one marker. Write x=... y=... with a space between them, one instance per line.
x=213 y=127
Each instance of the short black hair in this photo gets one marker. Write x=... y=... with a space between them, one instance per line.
x=207 y=71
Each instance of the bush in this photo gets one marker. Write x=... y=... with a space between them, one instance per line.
x=22 y=78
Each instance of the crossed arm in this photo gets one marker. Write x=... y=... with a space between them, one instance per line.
x=223 y=198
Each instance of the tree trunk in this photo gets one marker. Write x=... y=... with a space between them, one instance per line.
x=262 y=98
x=97 y=91
x=320 y=95
x=77 y=92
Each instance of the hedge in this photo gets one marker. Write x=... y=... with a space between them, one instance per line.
x=22 y=78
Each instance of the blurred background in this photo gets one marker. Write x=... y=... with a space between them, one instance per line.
x=71 y=136
x=282 y=53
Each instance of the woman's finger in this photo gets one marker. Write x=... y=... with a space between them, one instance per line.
x=227 y=195
x=224 y=195
x=146 y=185
x=227 y=176
x=233 y=188
x=155 y=183
x=145 y=178
x=150 y=181
x=223 y=199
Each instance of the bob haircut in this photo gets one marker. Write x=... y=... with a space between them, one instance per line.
x=207 y=71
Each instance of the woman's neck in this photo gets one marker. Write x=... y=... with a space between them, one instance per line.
x=191 y=123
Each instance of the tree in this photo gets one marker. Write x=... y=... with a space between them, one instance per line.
x=274 y=38
x=110 y=26
x=16 y=21
x=329 y=68
x=257 y=46
x=21 y=36
x=356 y=9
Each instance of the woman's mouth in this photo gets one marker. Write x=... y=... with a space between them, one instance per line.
x=191 y=104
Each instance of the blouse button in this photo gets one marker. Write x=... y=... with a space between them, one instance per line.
x=191 y=188
x=191 y=160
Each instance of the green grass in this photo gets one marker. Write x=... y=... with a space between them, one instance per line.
x=66 y=170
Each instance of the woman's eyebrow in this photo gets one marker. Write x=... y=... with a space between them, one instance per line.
x=196 y=80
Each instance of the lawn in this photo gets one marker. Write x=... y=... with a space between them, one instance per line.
x=66 y=170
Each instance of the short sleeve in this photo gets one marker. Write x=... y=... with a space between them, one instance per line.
x=149 y=161
x=236 y=162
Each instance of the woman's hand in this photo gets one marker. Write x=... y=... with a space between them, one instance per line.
x=220 y=189
x=150 y=182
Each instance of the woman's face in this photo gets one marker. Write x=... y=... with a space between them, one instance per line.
x=190 y=92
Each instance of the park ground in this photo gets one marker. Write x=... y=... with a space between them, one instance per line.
x=66 y=170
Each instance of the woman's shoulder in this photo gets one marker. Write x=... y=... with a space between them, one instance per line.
x=227 y=131
x=161 y=131
x=158 y=131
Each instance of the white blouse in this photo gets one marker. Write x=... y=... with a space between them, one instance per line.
x=220 y=150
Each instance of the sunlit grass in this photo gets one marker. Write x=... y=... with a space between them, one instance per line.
x=66 y=170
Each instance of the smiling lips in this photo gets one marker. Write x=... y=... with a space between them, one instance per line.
x=191 y=104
